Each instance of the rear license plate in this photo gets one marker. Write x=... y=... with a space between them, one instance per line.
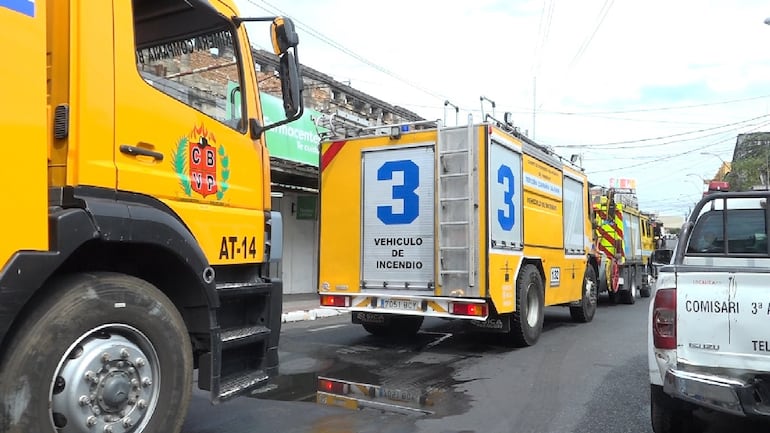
x=400 y=304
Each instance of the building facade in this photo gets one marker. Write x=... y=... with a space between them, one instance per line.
x=750 y=167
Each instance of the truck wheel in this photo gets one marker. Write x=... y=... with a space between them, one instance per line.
x=585 y=312
x=527 y=323
x=99 y=352
x=628 y=294
x=666 y=414
x=645 y=291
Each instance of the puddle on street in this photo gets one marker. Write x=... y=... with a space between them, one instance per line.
x=384 y=375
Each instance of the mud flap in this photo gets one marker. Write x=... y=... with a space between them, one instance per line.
x=494 y=323
x=359 y=317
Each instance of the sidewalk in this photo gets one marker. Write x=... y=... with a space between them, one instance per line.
x=304 y=306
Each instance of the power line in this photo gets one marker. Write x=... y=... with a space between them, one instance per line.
x=666 y=108
x=325 y=39
x=600 y=19
x=663 y=137
x=667 y=158
x=543 y=31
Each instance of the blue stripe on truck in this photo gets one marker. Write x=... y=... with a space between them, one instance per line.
x=27 y=7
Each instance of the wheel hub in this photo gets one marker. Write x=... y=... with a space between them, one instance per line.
x=590 y=293
x=114 y=391
x=107 y=382
x=533 y=306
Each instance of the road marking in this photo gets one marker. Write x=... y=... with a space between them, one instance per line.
x=323 y=328
x=438 y=340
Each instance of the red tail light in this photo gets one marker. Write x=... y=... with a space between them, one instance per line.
x=468 y=309
x=331 y=386
x=335 y=301
x=664 y=319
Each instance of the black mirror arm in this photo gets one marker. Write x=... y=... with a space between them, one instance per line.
x=257 y=129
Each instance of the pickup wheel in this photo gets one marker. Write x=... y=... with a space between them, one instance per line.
x=587 y=309
x=99 y=352
x=668 y=415
x=527 y=321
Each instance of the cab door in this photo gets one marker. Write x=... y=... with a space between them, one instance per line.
x=180 y=133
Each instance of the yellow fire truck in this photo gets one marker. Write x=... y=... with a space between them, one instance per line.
x=473 y=222
x=137 y=230
x=624 y=242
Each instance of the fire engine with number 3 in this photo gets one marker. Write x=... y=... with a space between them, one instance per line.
x=474 y=222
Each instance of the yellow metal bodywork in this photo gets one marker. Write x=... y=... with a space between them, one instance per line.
x=340 y=252
x=88 y=48
x=543 y=240
x=340 y=212
x=239 y=214
x=648 y=238
x=23 y=117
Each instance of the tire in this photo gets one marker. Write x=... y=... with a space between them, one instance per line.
x=587 y=309
x=612 y=296
x=645 y=291
x=147 y=374
x=399 y=326
x=628 y=296
x=527 y=321
x=668 y=415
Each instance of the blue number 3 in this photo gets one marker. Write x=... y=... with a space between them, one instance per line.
x=403 y=192
x=506 y=221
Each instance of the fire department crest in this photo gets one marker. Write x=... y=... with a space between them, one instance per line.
x=202 y=166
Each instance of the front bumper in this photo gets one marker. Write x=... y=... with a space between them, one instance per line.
x=723 y=394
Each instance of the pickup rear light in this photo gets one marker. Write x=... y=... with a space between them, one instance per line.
x=468 y=309
x=335 y=301
x=664 y=319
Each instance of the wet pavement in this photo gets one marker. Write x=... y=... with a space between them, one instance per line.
x=336 y=378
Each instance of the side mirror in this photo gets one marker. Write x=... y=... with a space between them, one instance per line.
x=285 y=40
x=283 y=35
x=291 y=84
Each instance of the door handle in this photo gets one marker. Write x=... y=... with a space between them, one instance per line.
x=140 y=151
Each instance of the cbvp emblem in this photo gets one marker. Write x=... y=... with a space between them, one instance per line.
x=201 y=165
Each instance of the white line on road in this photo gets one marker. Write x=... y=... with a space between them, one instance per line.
x=438 y=340
x=323 y=328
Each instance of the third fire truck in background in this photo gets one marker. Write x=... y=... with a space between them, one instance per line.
x=623 y=244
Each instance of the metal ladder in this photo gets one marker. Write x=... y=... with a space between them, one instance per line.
x=456 y=208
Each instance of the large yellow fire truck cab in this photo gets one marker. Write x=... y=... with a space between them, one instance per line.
x=137 y=244
x=471 y=222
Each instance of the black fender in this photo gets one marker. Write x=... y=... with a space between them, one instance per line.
x=83 y=214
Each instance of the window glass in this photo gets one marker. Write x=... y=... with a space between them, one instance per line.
x=746 y=231
x=707 y=234
x=736 y=227
x=199 y=69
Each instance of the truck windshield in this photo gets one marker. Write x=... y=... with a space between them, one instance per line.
x=192 y=59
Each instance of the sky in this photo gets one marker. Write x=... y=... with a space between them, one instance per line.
x=653 y=91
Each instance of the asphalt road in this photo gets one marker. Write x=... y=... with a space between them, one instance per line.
x=335 y=378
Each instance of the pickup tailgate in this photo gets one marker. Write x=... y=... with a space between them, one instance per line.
x=723 y=319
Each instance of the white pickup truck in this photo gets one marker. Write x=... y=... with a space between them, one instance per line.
x=709 y=322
